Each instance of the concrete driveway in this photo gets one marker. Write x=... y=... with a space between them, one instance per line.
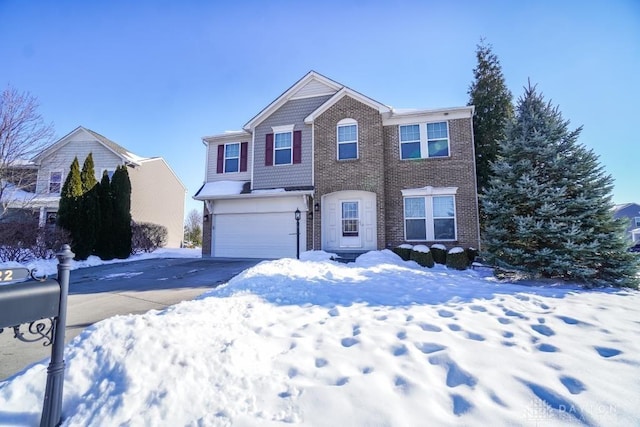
x=97 y=293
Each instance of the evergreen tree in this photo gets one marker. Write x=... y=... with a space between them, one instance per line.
x=121 y=193
x=493 y=109
x=104 y=242
x=89 y=218
x=548 y=203
x=68 y=208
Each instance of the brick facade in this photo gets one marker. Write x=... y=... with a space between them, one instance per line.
x=364 y=173
x=458 y=170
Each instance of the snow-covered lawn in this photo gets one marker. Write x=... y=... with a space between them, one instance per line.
x=379 y=342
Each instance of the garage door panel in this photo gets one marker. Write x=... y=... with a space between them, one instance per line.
x=257 y=235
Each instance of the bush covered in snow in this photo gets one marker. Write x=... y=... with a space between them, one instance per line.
x=422 y=255
x=457 y=259
x=404 y=251
x=439 y=253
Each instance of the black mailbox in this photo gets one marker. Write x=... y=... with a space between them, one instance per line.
x=29 y=301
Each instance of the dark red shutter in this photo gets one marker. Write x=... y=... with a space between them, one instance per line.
x=297 y=146
x=244 y=147
x=268 y=151
x=220 y=159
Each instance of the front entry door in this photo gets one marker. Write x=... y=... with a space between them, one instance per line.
x=350 y=236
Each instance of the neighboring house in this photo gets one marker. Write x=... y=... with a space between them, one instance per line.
x=632 y=212
x=364 y=176
x=157 y=194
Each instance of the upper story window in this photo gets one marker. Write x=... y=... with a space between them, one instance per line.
x=231 y=158
x=424 y=140
x=55 y=182
x=636 y=220
x=282 y=149
x=283 y=146
x=347 y=139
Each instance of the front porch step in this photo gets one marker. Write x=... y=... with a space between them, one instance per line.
x=347 y=256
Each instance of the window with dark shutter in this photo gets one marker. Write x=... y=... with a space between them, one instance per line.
x=297 y=146
x=220 y=167
x=268 y=156
x=244 y=148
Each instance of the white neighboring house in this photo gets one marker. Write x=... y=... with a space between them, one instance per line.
x=157 y=194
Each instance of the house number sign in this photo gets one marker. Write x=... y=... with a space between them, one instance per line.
x=13 y=274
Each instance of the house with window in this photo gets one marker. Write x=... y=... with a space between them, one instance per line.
x=364 y=176
x=157 y=194
x=630 y=211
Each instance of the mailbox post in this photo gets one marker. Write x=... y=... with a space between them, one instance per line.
x=52 y=408
x=36 y=302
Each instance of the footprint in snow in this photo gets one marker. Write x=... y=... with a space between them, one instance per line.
x=571 y=321
x=574 y=385
x=334 y=312
x=367 y=370
x=512 y=313
x=399 y=350
x=454 y=327
x=460 y=405
x=478 y=308
x=321 y=363
x=356 y=330
x=429 y=347
x=607 y=352
x=504 y=320
x=445 y=313
x=402 y=335
x=455 y=374
x=402 y=384
x=349 y=342
x=342 y=381
x=543 y=329
x=547 y=348
x=429 y=327
x=475 y=337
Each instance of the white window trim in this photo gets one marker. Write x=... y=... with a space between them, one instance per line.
x=282 y=129
x=428 y=193
x=344 y=123
x=424 y=145
x=636 y=220
x=50 y=182
x=224 y=157
x=448 y=138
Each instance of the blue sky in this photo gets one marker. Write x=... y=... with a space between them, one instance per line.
x=156 y=76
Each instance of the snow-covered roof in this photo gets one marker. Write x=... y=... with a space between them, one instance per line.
x=15 y=197
x=213 y=190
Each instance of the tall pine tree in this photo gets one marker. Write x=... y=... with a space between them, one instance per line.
x=548 y=204
x=104 y=242
x=69 y=206
x=89 y=218
x=493 y=109
x=121 y=193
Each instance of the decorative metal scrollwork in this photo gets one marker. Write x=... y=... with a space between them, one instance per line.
x=42 y=278
x=37 y=330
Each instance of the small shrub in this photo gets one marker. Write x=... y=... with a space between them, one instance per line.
x=439 y=253
x=457 y=259
x=147 y=237
x=472 y=254
x=403 y=251
x=50 y=240
x=18 y=240
x=422 y=255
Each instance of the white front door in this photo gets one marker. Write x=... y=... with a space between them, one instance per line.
x=349 y=221
x=350 y=236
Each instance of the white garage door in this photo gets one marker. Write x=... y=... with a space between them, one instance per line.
x=257 y=235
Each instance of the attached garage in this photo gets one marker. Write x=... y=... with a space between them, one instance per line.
x=257 y=225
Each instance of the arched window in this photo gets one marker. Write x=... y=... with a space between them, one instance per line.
x=347 y=139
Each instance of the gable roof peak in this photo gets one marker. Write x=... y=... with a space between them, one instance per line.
x=310 y=85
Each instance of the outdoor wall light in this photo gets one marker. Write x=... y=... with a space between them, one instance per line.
x=316 y=207
x=206 y=218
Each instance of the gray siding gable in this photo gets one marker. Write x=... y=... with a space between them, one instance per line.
x=295 y=175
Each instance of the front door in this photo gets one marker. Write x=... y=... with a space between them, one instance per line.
x=350 y=236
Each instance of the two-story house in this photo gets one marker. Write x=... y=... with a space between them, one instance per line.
x=630 y=211
x=364 y=176
x=157 y=194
